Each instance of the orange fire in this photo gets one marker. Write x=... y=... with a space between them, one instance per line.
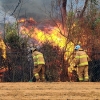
x=3 y=48
x=22 y=20
x=3 y=54
x=27 y=21
x=49 y=33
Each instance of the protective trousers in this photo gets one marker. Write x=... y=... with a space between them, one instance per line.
x=39 y=72
x=83 y=73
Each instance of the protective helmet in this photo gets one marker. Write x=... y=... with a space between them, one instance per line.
x=33 y=49
x=77 y=47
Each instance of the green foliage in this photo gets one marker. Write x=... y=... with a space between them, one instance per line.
x=95 y=2
x=18 y=56
x=13 y=38
x=97 y=21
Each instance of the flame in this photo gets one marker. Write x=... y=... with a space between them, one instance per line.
x=22 y=20
x=27 y=21
x=51 y=34
x=3 y=48
x=3 y=70
x=3 y=54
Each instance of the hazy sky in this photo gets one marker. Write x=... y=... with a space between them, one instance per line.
x=30 y=8
x=27 y=8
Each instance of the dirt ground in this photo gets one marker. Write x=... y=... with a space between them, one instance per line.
x=50 y=91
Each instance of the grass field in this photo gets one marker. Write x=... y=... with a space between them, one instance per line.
x=50 y=91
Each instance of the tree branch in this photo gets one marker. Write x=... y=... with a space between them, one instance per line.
x=85 y=6
x=16 y=7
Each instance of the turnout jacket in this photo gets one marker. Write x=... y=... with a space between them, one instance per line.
x=81 y=58
x=38 y=58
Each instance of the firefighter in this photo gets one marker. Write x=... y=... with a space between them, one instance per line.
x=39 y=65
x=81 y=63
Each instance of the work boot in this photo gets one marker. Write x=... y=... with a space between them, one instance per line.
x=44 y=80
x=86 y=80
x=38 y=80
x=81 y=81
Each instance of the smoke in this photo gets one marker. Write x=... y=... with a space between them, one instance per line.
x=27 y=8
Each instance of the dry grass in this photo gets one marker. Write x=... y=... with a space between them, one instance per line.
x=50 y=91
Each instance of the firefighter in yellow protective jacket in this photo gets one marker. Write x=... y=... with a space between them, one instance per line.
x=82 y=64
x=39 y=65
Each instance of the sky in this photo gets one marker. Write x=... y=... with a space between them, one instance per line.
x=27 y=8
x=38 y=9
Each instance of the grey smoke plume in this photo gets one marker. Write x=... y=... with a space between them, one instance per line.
x=27 y=8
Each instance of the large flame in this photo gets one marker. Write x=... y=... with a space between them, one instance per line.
x=51 y=34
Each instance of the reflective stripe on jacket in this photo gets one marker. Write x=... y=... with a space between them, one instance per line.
x=38 y=58
x=81 y=58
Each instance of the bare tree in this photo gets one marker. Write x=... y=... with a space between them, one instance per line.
x=64 y=14
x=84 y=8
x=16 y=7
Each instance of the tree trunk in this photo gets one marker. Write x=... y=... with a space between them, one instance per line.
x=64 y=16
x=84 y=8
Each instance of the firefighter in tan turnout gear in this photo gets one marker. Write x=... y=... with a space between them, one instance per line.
x=81 y=63
x=39 y=65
